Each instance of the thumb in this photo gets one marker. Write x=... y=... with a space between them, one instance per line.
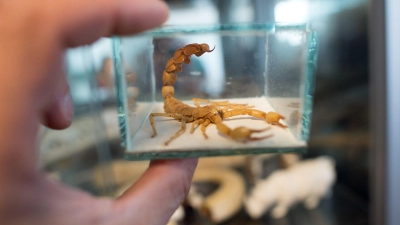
x=60 y=112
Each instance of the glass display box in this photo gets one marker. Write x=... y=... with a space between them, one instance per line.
x=266 y=67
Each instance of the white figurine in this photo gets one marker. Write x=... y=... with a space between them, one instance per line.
x=307 y=181
x=224 y=202
x=178 y=216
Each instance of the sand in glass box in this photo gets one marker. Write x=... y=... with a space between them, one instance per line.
x=252 y=68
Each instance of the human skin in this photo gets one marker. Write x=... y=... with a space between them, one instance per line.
x=34 y=91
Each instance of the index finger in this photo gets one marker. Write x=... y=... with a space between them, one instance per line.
x=84 y=21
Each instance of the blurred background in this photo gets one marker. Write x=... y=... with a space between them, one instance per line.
x=88 y=154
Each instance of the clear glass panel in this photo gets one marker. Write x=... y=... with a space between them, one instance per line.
x=80 y=155
x=268 y=66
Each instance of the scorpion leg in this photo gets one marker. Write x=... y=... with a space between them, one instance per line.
x=241 y=134
x=236 y=106
x=204 y=127
x=179 y=132
x=204 y=123
x=196 y=122
x=152 y=122
x=197 y=102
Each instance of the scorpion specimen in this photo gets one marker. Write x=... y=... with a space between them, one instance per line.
x=215 y=112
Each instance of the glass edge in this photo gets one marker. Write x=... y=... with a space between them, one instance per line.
x=117 y=60
x=309 y=85
x=211 y=153
x=206 y=28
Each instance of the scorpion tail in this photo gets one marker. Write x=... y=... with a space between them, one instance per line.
x=174 y=64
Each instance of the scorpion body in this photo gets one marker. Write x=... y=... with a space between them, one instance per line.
x=214 y=113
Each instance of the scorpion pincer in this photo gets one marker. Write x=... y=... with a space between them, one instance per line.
x=202 y=116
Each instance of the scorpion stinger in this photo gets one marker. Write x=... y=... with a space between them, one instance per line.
x=202 y=116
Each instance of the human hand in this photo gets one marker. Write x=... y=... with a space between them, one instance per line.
x=34 y=91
